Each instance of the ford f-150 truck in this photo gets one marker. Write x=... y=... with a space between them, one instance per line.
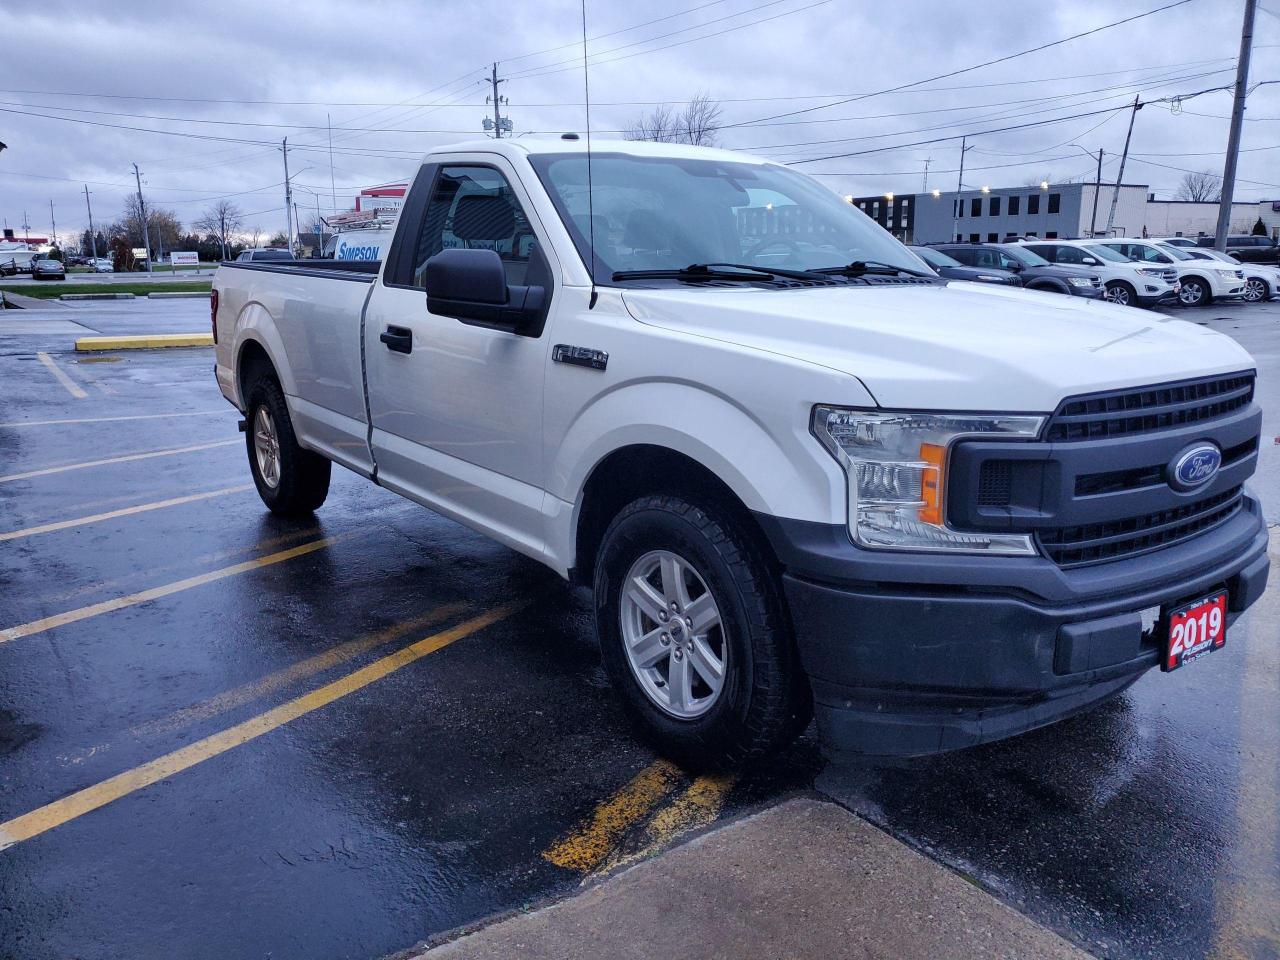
x=801 y=472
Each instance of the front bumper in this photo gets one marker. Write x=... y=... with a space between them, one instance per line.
x=914 y=654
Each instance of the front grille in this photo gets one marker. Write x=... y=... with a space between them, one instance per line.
x=1135 y=478
x=1165 y=406
x=995 y=483
x=1113 y=540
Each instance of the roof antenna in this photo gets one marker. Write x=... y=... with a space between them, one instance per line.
x=591 y=212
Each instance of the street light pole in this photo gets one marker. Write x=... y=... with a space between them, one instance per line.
x=1097 y=189
x=1237 y=120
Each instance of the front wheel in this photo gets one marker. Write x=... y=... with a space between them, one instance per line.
x=291 y=480
x=1120 y=293
x=694 y=634
x=1195 y=292
x=1255 y=290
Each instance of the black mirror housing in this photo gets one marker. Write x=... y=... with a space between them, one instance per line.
x=471 y=286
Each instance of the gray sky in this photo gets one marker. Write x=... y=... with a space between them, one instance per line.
x=433 y=56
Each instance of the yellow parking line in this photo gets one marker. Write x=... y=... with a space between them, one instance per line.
x=73 y=388
x=588 y=846
x=140 y=416
x=272 y=682
x=155 y=593
x=698 y=806
x=124 y=459
x=127 y=511
x=84 y=801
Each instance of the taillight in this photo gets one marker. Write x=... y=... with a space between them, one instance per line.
x=213 y=313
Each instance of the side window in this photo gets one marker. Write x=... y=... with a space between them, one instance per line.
x=1050 y=253
x=474 y=208
x=1068 y=255
x=1014 y=203
x=1055 y=202
x=975 y=207
x=1033 y=204
x=994 y=206
x=964 y=255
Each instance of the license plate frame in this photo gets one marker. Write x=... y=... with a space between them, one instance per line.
x=1192 y=630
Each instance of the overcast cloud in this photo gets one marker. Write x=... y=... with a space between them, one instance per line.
x=333 y=55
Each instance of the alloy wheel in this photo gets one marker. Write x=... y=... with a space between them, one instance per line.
x=266 y=447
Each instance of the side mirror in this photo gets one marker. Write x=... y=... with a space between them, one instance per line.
x=1090 y=261
x=471 y=286
x=1015 y=266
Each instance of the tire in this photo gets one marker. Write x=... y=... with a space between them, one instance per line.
x=763 y=700
x=1195 y=292
x=296 y=480
x=1256 y=290
x=1120 y=293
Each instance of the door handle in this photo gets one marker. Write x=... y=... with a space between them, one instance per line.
x=398 y=339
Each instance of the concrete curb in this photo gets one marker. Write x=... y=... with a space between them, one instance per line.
x=18 y=301
x=96 y=296
x=177 y=296
x=803 y=879
x=147 y=341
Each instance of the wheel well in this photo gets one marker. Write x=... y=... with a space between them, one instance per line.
x=253 y=360
x=1045 y=285
x=641 y=470
x=1197 y=278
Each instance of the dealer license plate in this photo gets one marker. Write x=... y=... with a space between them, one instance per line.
x=1195 y=630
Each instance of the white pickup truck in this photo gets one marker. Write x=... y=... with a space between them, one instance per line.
x=802 y=473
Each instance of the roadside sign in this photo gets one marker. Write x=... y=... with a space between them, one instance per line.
x=179 y=258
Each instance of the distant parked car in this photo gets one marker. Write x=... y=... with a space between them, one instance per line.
x=951 y=268
x=1180 y=242
x=1261 y=281
x=1202 y=281
x=43 y=268
x=102 y=265
x=1035 y=272
x=1248 y=249
x=262 y=254
x=1127 y=283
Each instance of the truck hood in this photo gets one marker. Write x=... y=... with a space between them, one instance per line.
x=962 y=346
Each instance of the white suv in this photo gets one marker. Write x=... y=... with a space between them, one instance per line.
x=1127 y=283
x=1261 y=281
x=1202 y=281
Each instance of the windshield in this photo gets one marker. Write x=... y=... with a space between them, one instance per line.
x=1106 y=253
x=665 y=213
x=1178 y=254
x=935 y=258
x=1024 y=256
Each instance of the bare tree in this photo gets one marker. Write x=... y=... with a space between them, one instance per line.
x=697 y=123
x=1202 y=187
x=222 y=219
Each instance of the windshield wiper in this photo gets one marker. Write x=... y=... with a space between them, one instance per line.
x=721 y=271
x=860 y=268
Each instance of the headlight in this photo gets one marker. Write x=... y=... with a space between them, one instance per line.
x=896 y=470
x=1080 y=281
x=1151 y=271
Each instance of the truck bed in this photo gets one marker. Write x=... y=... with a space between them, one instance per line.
x=362 y=270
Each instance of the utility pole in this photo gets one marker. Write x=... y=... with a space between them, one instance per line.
x=53 y=221
x=1115 y=194
x=1097 y=189
x=93 y=237
x=333 y=191
x=499 y=123
x=142 y=212
x=26 y=229
x=1237 y=120
x=955 y=213
x=924 y=186
x=288 y=197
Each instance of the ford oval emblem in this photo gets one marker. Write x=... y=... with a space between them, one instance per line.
x=1195 y=467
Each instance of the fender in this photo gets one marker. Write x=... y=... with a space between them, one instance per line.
x=254 y=322
x=770 y=473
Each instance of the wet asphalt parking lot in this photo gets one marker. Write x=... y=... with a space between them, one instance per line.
x=223 y=734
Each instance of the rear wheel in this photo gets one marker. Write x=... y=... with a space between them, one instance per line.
x=1255 y=290
x=694 y=634
x=290 y=480
x=1121 y=293
x=1195 y=292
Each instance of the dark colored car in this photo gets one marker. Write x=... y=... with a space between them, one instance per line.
x=263 y=254
x=1035 y=272
x=43 y=268
x=951 y=268
x=1248 y=249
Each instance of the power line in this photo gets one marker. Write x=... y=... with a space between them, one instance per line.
x=977 y=66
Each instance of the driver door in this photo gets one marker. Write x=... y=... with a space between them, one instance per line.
x=456 y=410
